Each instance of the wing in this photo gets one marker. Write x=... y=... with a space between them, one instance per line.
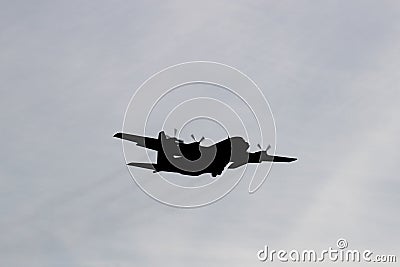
x=147 y=142
x=281 y=159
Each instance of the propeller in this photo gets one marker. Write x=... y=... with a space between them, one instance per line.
x=266 y=150
x=175 y=132
x=201 y=139
x=269 y=146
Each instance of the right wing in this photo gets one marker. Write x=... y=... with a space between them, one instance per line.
x=147 y=142
x=281 y=159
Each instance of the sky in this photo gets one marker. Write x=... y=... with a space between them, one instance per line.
x=68 y=69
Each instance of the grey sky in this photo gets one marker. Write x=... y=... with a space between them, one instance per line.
x=330 y=70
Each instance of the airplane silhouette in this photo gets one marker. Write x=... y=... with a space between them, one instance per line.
x=173 y=155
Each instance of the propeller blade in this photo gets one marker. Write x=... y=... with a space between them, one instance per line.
x=192 y=135
x=175 y=132
x=259 y=146
x=269 y=146
x=202 y=138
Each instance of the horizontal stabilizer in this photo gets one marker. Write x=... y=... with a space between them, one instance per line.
x=150 y=166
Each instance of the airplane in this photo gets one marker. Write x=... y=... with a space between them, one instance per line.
x=174 y=155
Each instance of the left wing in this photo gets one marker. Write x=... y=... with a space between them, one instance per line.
x=147 y=142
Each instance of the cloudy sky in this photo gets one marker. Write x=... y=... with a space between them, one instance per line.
x=330 y=70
